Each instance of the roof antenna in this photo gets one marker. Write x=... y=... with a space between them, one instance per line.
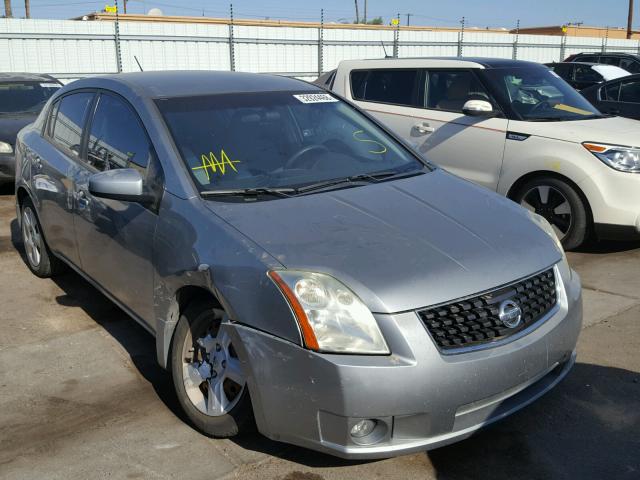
x=138 y=62
x=385 y=50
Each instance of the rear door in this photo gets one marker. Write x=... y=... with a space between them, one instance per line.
x=53 y=165
x=115 y=237
x=629 y=100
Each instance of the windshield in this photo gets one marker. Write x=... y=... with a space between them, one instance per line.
x=19 y=97
x=536 y=94
x=278 y=140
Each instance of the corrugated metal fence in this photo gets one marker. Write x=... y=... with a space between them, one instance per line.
x=72 y=49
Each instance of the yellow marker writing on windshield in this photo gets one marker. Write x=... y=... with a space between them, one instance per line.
x=382 y=149
x=211 y=162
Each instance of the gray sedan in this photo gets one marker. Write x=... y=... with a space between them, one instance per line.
x=300 y=268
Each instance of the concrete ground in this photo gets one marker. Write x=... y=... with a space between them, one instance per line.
x=81 y=395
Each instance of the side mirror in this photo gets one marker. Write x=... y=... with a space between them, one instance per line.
x=122 y=184
x=478 y=108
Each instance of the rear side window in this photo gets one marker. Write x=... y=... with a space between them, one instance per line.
x=610 y=92
x=610 y=60
x=69 y=120
x=630 y=92
x=397 y=87
x=450 y=90
x=117 y=139
x=587 y=59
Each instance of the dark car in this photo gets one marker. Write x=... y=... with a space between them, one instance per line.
x=584 y=75
x=628 y=61
x=618 y=97
x=22 y=96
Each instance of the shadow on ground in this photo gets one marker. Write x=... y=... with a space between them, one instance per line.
x=608 y=246
x=588 y=427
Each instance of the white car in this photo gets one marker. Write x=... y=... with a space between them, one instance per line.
x=514 y=127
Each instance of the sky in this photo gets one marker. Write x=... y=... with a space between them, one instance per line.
x=478 y=13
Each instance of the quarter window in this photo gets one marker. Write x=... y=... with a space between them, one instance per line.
x=450 y=90
x=630 y=92
x=69 y=120
x=117 y=139
x=386 y=86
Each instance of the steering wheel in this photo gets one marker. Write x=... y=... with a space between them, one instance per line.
x=544 y=105
x=296 y=157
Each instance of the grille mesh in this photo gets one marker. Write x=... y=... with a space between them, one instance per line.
x=475 y=321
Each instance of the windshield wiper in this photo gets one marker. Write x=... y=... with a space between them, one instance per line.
x=250 y=192
x=358 y=179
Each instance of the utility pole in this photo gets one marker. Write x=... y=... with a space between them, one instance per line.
x=630 y=20
x=124 y=6
x=7 y=9
x=365 y=12
x=27 y=9
x=357 y=13
x=409 y=15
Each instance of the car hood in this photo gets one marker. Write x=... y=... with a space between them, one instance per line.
x=11 y=124
x=401 y=244
x=612 y=130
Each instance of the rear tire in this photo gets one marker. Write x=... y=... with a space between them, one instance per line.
x=40 y=260
x=208 y=376
x=561 y=205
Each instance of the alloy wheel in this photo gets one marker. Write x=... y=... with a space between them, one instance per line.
x=211 y=370
x=552 y=204
x=31 y=237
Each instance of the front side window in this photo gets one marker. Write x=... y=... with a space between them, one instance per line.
x=116 y=138
x=397 y=87
x=69 y=120
x=278 y=140
x=630 y=92
x=25 y=97
x=450 y=90
x=610 y=92
x=584 y=73
x=537 y=94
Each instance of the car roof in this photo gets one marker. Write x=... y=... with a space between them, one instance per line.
x=620 y=54
x=446 y=62
x=590 y=64
x=180 y=83
x=26 y=77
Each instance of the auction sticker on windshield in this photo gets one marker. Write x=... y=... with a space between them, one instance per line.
x=315 y=98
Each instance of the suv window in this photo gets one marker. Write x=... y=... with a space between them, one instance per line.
x=584 y=73
x=630 y=65
x=630 y=92
x=117 y=139
x=69 y=120
x=610 y=60
x=587 y=59
x=387 y=86
x=450 y=90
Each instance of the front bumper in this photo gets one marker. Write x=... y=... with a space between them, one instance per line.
x=421 y=398
x=7 y=168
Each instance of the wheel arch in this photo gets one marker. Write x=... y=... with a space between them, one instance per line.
x=517 y=185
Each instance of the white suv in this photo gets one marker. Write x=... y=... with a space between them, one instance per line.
x=514 y=127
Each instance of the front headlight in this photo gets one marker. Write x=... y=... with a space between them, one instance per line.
x=624 y=159
x=331 y=317
x=6 y=147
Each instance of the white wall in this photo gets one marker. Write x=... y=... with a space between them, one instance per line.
x=70 y=49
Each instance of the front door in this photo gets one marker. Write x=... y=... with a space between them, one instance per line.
x=115 y=237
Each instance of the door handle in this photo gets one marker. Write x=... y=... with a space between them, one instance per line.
x=82 y=199
x=423 y=128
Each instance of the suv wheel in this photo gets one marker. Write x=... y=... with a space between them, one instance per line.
x=39 y=258
x=561 y=205
x=207 y=373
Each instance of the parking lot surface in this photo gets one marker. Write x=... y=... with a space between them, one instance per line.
x=81 y=395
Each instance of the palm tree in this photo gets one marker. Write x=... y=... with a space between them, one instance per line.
x=7 y=9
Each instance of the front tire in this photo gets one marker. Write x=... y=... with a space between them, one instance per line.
x=561 y=205
x=207 y=373
x=40 y=260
